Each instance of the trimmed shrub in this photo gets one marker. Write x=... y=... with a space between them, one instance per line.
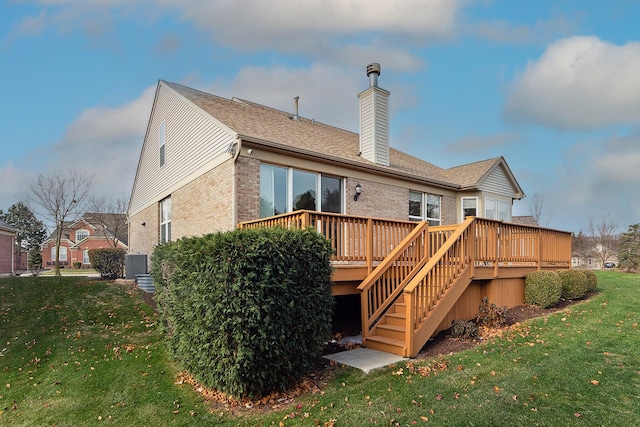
x=542 y=288
x=246 y=312
x=77 y=265
x=592 y=280
x=491 y=315
x=574 y=283
x=109 y=262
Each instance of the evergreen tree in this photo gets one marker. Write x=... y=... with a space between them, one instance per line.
x=629 y=249
x=31 y=231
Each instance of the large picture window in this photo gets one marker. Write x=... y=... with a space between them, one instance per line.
x=286 y=189
x=165 y=220
x=424 y=207
x=63 y=253
x=81 y=235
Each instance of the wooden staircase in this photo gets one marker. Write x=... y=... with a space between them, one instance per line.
x=401 y=312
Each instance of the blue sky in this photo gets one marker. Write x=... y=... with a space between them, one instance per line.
x=553 y=86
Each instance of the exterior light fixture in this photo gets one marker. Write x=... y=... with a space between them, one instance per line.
x=143 y=224
x=358 y=192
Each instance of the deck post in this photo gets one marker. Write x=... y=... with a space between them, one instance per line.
x=369 y=245
x=471 y=238
x=539 y=249
x=408 y=325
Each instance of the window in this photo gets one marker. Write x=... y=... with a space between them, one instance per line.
x=287 y=189
x=496 y=209
x=424 y=207
x=469 y=207
x=161 y=141
x=165 y=220
x=85 y=257
x=63 y=253
x=81 y=235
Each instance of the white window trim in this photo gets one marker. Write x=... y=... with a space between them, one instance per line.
x=166 y=235
x=497 y=202
x=63 y=253
x=318 y=189
x=162 y=137
x=424 y=208
x=462 y=206
x=83 y=230
x=85 y=257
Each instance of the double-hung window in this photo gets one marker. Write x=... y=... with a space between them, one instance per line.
x=165 y=220
x=425 y=207
x=286 y=189
x=63 y=253
x=469 y=207
x=85 y=257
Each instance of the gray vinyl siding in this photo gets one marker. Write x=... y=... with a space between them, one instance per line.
x=497 y=182
x=192 y=139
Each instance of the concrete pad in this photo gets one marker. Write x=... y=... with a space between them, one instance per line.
x=365 y=359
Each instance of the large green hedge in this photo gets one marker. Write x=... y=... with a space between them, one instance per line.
x=247 y=312
x=542 y=288
x=109 y=262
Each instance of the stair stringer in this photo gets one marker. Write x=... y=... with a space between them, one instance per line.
x=419 y=336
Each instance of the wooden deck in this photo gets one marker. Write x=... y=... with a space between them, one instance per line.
x=414 y=278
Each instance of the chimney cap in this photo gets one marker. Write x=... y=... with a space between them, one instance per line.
x=373 y=68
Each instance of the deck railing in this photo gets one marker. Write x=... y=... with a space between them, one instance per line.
x=355 y=239
x=476 y=242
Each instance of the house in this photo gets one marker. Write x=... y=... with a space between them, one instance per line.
x=208 y=163
x=7 y=252
x=92 y=231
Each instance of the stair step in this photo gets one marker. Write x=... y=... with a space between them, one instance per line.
x=400 y=307
x=399 y=319
x=391 y=331
x=386 y=344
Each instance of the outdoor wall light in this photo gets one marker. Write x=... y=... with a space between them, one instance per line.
x=358 y=192
x=143 y=224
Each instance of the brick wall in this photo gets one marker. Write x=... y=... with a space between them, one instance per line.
x=378 y=200
x=248 y=188
x=142 y=238
x=448 y=211
x=6 y=247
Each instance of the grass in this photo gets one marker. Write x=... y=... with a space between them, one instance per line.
x=66 y=361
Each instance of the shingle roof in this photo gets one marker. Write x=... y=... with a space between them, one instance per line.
x=7 y=227
x=257 y=123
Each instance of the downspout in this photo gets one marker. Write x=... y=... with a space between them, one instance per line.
x=13 y=255
x=234 y=204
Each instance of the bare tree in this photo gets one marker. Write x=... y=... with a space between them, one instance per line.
x=111 y=216
x=536 y=210
x=604 y=235
x=60 y=196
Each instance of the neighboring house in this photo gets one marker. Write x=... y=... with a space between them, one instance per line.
x=593 y=259
x=208 y=163
x=7 y=249
x=525 y=220
x=81 y=235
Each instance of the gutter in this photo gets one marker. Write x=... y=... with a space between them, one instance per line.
x=343 y=162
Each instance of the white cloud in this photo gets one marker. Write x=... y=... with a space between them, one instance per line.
x=579 y=83
x=327 y=93
x=104 y=141
x=596 y=178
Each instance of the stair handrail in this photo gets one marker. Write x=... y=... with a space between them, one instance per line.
x=371 y=313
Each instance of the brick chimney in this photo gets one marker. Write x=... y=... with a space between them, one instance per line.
x=374 y=119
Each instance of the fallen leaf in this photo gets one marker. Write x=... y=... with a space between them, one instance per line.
x=595 y=382
x=425 y=419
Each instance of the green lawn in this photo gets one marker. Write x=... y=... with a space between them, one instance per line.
x=77 y=352
x=71 y=272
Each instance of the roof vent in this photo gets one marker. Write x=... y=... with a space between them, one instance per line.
x=296 y=117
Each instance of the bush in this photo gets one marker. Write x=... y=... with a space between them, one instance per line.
x=77 y=265
x=109 y=262
x=464 y=330
x=491 y=315
x=247 y=312
x=592 y=280
x=574 y=283
x=542 y=288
